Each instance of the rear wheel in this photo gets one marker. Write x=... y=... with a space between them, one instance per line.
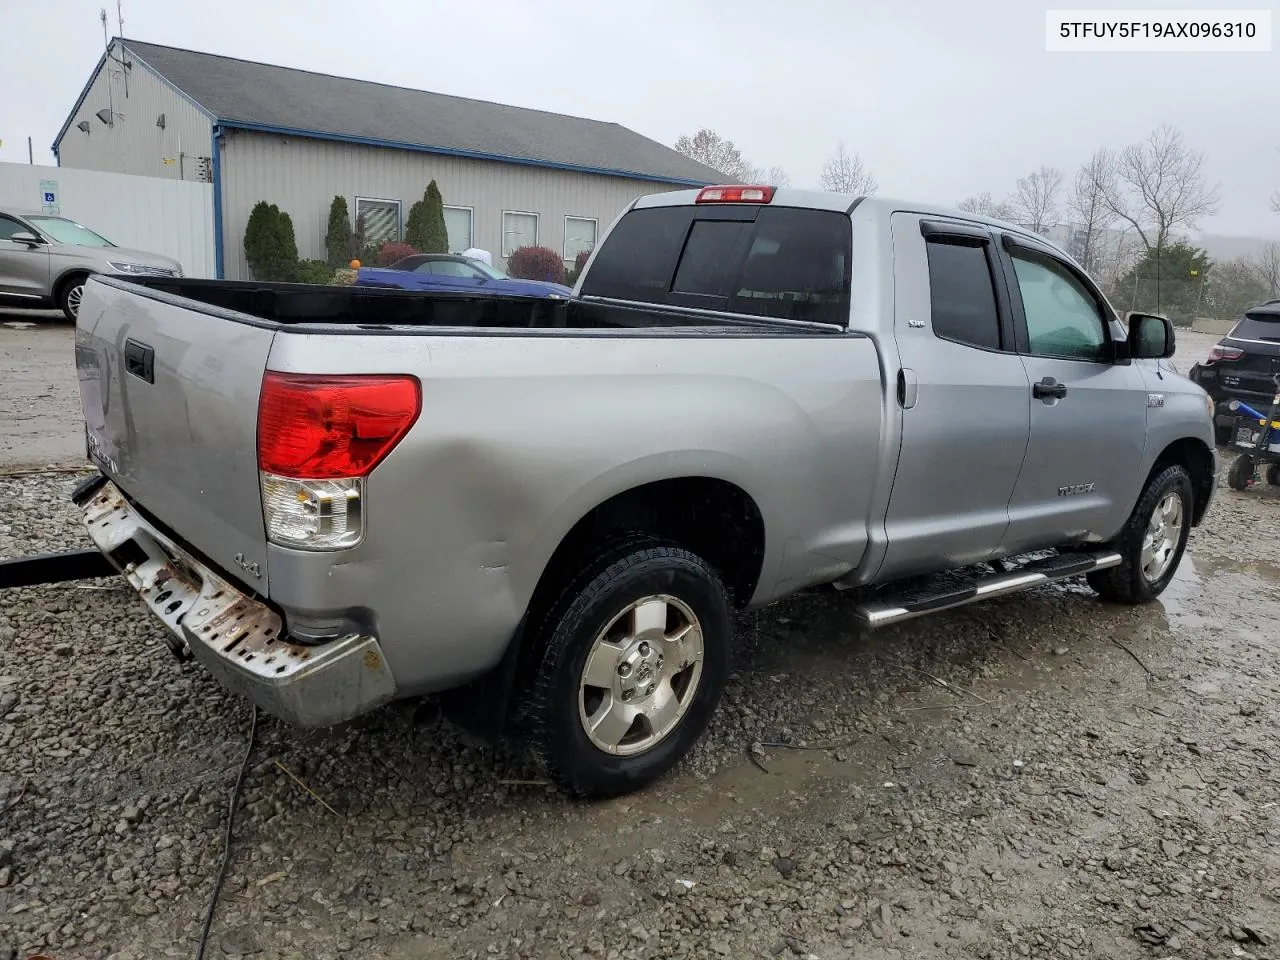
x=70 y=294
x=1241 y=473
x=1273 y=474
x=1152 y=541
x=628 y=667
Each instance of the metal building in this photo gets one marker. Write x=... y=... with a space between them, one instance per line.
x=509 y=176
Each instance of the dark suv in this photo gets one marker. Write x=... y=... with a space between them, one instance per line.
x=1241 y=365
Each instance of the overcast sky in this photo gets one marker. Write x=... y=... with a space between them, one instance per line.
x=942 y=99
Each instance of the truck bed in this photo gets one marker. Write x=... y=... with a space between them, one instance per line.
x=370 y=309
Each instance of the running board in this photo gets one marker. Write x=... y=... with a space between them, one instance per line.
x=917 y=603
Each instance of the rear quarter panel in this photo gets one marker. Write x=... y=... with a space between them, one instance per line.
x=520 y=437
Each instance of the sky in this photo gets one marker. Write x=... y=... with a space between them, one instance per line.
x=941 y=99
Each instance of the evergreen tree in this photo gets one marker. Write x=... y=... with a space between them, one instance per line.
x=339 y=241
x=269 y=244
x=425 y=230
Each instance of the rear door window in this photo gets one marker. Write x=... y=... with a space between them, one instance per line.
x=785 y=263
x=961 y=294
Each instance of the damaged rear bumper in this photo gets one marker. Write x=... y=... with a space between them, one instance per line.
x=239 y=639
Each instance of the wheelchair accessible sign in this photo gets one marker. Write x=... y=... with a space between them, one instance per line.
x=49 y=197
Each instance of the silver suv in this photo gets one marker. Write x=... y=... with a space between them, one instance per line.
x=45 y=260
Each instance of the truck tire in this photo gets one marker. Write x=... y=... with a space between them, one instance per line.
x=1152 y=541
x=1273 y=474
x=628 y=667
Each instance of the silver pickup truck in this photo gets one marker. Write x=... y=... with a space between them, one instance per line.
x=337 y=497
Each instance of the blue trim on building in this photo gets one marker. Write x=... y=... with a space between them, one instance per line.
x=216 y=162
x=450 y=152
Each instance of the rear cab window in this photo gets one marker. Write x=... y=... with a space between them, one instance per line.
x=784 y=263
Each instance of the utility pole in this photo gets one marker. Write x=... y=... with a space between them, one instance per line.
x=31 y=155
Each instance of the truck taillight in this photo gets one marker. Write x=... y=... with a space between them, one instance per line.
x=1225 y=353
x=735 y=194
x=319 y=437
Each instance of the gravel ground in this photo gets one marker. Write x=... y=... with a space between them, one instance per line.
x=1093 y=781
x=1041 y=775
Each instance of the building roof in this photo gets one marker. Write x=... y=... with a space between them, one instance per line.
x=262 y=96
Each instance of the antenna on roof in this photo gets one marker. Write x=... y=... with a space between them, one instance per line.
x=120 y=18
x=106 y=39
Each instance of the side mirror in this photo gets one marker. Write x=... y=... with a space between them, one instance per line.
x=30 y=239
x=1151 y=336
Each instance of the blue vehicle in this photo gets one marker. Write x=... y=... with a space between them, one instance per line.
x=449 y=273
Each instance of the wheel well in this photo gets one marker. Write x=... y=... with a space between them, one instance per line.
x=1198 y=461
x=713 y=518
x=65 y=281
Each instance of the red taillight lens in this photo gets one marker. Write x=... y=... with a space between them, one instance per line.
x=1225 y=353
x=735 y=194
x=318 y=427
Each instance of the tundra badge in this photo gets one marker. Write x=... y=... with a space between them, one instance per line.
x=1074 y=489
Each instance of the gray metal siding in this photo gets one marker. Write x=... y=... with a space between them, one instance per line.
x=302 y=176
x=135 y=144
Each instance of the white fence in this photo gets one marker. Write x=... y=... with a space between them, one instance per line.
x=169 y=217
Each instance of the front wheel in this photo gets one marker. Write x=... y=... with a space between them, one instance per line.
x=1273 y=474
x=69 y=297
x=630 y=665
x=1152 y=541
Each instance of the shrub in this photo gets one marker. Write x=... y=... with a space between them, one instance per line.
x=340 y=240
x=425 y=227
x=269 y=244
x=391 y=251
x=315 y=271
x=579 y=263
x=536 y=263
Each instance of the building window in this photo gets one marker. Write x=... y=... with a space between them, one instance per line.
x=457 y=224
x=381 y=220
x=518 y=230
x=579 y=235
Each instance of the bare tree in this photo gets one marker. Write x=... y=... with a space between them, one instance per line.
x=984 y=205
x=778 y=177
x=1087 y=206
x=1035 y=202
x=1160 y=187
x=1275 y=201
x=1265 y=266
x=1234 y=287
x=846 y=173
x=774 y=176
x=708 y=147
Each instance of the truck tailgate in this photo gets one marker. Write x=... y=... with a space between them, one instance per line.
x=170 y=401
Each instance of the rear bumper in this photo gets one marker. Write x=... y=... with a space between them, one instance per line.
x=235 y=637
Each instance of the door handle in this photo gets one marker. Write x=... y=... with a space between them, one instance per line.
x=1048 y=388
x=139 y=360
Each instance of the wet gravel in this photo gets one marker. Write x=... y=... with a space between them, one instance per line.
x=1037 y=776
